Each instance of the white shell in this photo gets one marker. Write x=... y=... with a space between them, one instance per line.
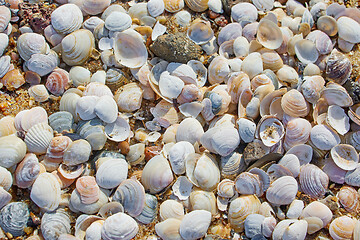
x=5 y=179
x=282 y=191
x=79 y=75
x=348 y=29
x=85 y=107
x=338 y=119
x=189 y=130
x=345 y=156
x=106 y=109
x=303 y=152
x=155 y=7
x=182 y=188
x=38 y=138
x=324 y=137
x=66 y=18
x=119 y=130
x=169 y=229
x=110 y=172
x=4 y=42
x=170 y=86
x=12 y=151
x=42 y=64
x=171 y=209
x=118 y=21
x=195 y=224
x=119 y=226
x=178 y=154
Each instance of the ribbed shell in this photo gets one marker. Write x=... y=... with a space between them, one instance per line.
x=313 y=181
x=129 y=97
x=31 y=43
x=342 y=228
x=6 y=179
x=61 y=121
x=149 y=211
x=67 y=18
x=38 y=138
x=53 y=224
x=349 y=198
x=119 y=226
x=27 y=171
x=240 y=208
x=282 y=191
x=58 y=81
x=14 y=218
x=88 y=189
x=5 y=18
x=111 y=172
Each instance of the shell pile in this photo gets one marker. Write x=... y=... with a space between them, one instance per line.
x=257 y=138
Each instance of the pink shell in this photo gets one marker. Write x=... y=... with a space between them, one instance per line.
x=58 y=81
x=56 y=149
x=88 y=189
x=27 y=171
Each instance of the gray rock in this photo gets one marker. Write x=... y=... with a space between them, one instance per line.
x=176 y=48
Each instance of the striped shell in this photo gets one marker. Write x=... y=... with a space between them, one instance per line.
x=313 y=181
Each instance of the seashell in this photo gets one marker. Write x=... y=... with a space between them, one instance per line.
x=189 y=130
x=349 y=29
x=338 y=67
x=197 y=5
x=5 y=65
x=77 y=47
x=57 y=148
x=199 y=218
x=7 y=126
x=218 y=70
x=5 y=197
x=263 y=5
x=93 y=132
x=27 y=171
x=58 y=81
x=154 y=180
x=110 y=9
x=174 y=6
x=268 y=226
x=311 y=70
x=253 y=224
x=311 y=88
x=53 y=224
x=155 y=7
x=78 y=152
x=42 y=64
x=335 y=173
x=149 y=212
x=136 y=154
x=336 y=95
x=247 y=129
x=221 y=140
x=183 y=18
x=202 y=200
x=249 y=67
x=66 y=19
x=85 y=107
x=119 y=225
x=200 y=32
x=291 y=162
x=131 y=194
x=249 y=32
x=282 y=191
x=337 y=119
x=182 y=188
x=342 y=228
x=88 y=190
x=281 y=227
x=244 y=13
x=313 y=181
x=229 y=32
x=303 y=152
x=38 y=138
x=240 y=208
x=5 y=18
x=45 y=192
x=168 y=229
x=323 y=137
x=297 y=132
x=178 y=154
x=106 y=109
x=91 y=23
x=298 y=230
x=118 y=131
x=171 y=209
x=39 y=93
x=99 y=77
x=269 y=34
x=322 y=41
x=345 y=156
x=26 y=119
x=79 y=75
x=270 y=130
x=241 y=47
x=352 y=177
x=97 y=89
x=294 y=104
x=271 y=60
x=349 y=199
x=345 y=46
x=13 y=79
x=328 y=25
x=61 y=121
x=215 y=6
x=318 y=210
x=248 y=183
x=170 y=86
x=118 y=21
x=295 y=209
x=226 y=189
x=14 y=217
x=94 y=7
x=4 y=42
x=306 y=51
x=111 y=208
x=52 y=36
x=26 y=45
x=12 y=151
x=260 y=80
x=6 y=180
x=76 y=204
x=128 y=97
x=232 y=165
x=104 y=168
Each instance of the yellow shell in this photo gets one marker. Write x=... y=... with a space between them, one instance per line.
x=242 y=207
x=197 y=5
x=173 y=5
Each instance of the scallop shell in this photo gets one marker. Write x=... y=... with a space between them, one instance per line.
x=174 y=6
x=282 y=191
x=13 y=218
x=313 y=181
x=31 y=43
x=131 y=195
x=88 y=189
x=199 y=218
x=338 y=67
x=342 y=228
x=53 y=224
x=323 y=137
x=240 y=208
x=149 y=212
x=269 y=34
x=168 y=229
x=27 y=171
x=171 y=209
x=46 y=191
x=119 y=225
x=153 y=180
x=349 y=199
x=77 y=47
x=345 y=156
x=38 y=138
x=67 y=18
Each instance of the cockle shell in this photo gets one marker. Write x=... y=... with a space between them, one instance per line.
x=110 y=9
x=199 y=218
x=169 y=229
x=155 y=7
x=282 y=191
x=349 y=199
x=58 y=81
x=77 y=47
x=53 y=224
x=171 y=209
x=313 y=181
x=119 y=226
x=105 y=167
x=13 y=218
x=153 y=180
x=131 y=195
x=342 y=228
x=88 y=190
x=345 y=156
x=46 y=191
x=240 y=208
x=31 y=43
x=39 y=93
x=129 y=97
x=67 y=18
x=27 y=171
x=323 y=137
x=338 y=67
x=38 y=138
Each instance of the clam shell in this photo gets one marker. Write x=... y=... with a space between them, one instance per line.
x=155 y=7
x=291 y=162
x=42 y=64
x=129 y=97
x=249 y=67
x=119 y=225
x=313 y=181
x=61 y=121
x=270 y=130
x=94 y=7
x=6 y=180
x=58 y=81
x=182 y=188
x=68 y=103
x=247 y=129
x=269 y=34
x=156 y=174
x=297 y=132
x=178 y=154
x=118 y=21
x=171 y=209
x=202 y=200
x=174 y=6
x=136 y=154
x=303 y=152
x=7 y=126
x=200 y=32
x=293 y=103
x=5 y=65
x=97 y=89
x=76 y=204
x=39 y=93
x=85 y=107
x=319 y=210
x=268 y=226
x=27 y=171
x=31 y=43
x=78 y=152
x=106 y=109
x=311 y=88
x=328 y=25
x=93 y=132
x=248 y=183
x=345 y=156
x=349 y=199
x=342 y=228
x=46 y=191
x=12 y=151
x=119 y=130
x=306 y=51
x=336 y=95
x=352 y=177
x=169 y=229
x=131 y=195
x=53 y=224
x=338 y=67
x=5 y=18
x=66 y=19
x=110 y=208
x=295 y=209
x=79 y=75
x=282 y=191
x=323 y=137
x=13 y=218
x=240 y=208
x=348 y=29
x=229 y=32
x=244 y=13
x=88 y=189
x=4 y=42
x=199 y=218
x=111 y=172
x=253 y=224
x=57 y=148
x=26 y=119
x=218 y=70
x=149 y=212
x=5 y=197
x=189 y=130
x=38 y=138
x=226 y=188
x=170 y=86
x=197 y=5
